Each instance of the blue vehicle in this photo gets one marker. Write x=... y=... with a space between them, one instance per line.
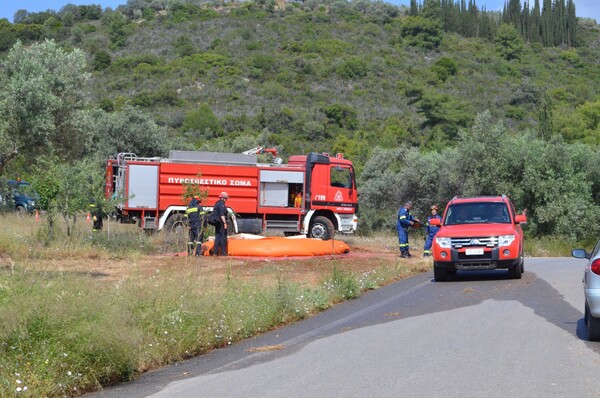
x=25 y=198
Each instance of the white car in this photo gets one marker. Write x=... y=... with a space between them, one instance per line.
x=591 y=289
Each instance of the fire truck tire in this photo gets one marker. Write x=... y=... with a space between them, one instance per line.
x=321 y=228
x=175 y=224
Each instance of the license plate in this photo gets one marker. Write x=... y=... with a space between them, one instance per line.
x=474 y=252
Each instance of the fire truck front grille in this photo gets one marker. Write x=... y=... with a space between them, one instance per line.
x=489 y=241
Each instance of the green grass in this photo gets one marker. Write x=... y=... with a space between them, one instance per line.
x=553 y=246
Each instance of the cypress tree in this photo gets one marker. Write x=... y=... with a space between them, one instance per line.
x=514 y=14
x=432 y=9
x=485 y=24
x=414 y=8
x=525 y=21
x=473 y=17
x=464 y=19
x=545 y=125
x=546 y=24
x=557 y=22
x=535 y=35
x=571 y=24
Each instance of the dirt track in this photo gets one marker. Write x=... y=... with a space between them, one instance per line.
x=365 y=255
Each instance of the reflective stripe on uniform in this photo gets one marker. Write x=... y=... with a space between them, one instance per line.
x=191 y=210
x=401 y=217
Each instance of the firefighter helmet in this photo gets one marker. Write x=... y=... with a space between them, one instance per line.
x=224 y=195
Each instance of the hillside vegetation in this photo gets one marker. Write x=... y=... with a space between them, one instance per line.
x=428 y=103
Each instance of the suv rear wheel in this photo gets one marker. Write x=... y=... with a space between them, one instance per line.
x=593 y=325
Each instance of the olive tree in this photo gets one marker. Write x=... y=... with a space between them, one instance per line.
x=127 y=130
x=67 y=189
x=554 y=180
x=41 y=95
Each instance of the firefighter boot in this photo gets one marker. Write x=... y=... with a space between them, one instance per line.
x=408 y=254
x=404 y=255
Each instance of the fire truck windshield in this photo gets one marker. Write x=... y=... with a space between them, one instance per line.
x=341 y=177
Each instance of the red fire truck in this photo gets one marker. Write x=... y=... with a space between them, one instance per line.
x=261 y=196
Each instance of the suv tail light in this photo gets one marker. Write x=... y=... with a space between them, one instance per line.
x=595 y=267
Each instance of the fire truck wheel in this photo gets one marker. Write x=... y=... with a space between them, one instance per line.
x=175 y=224
x=321 y=228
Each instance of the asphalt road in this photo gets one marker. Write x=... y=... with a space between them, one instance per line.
x=478 y=335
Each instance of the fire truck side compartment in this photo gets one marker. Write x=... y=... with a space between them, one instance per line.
x=142 y=186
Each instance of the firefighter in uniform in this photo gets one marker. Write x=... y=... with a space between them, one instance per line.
x=194 y=214
x=298 y=200
x=404 y=221
x=430 y=231
x=96 y=213
x=220 y=247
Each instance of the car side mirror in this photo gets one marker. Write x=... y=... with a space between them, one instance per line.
x=520 y=219
x=580 y=253
x=435 y=222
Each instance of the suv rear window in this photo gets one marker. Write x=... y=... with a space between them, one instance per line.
x=477 y=213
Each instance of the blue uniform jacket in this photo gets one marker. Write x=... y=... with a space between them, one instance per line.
x=432 y=230
x=404 y=218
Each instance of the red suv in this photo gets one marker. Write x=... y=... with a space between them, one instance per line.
x=476 y=234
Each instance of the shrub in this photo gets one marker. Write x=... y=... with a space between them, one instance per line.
x=184 y=47
x=101 y=61
x=352 y=68
x=421 y=32
x=509 y=42
x=341 y=115
x=202 y=123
